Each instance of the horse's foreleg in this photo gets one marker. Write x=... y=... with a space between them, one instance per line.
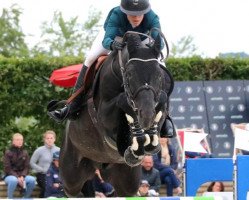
x=73 y=171
x=125 y=179
x=154 y=146
x=134 y=154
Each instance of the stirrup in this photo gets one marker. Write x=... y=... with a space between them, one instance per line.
x=53 y=114
x=54 y=104
x=166 y=129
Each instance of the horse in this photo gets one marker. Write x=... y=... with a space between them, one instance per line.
x=120 y=122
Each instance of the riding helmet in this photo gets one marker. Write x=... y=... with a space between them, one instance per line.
x=135 y=7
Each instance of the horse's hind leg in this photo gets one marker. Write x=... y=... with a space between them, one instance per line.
x=74 y=171
x=125 y=179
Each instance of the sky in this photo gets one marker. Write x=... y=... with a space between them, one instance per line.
x=217 y=26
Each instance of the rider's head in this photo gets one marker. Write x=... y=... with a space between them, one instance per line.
x=135 y=10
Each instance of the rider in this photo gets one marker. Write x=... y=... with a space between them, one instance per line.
x=131 y=15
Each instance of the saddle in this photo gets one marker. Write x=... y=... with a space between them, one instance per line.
x=89 y=78
x=91 y=72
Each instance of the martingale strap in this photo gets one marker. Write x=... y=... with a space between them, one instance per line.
x=98 y=125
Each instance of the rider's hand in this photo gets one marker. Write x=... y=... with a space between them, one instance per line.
x=117 y=45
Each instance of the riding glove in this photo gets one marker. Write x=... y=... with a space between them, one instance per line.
x=117 y=45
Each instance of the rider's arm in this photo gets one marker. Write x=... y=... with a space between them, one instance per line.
x=152 y=21
x=113 y=27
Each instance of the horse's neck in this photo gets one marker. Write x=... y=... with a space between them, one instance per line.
x=115 y=69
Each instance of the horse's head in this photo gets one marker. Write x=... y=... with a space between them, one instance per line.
x=144 y=80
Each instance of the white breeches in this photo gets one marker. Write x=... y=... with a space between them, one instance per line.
x=96 y=50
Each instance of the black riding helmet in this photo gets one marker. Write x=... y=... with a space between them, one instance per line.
x=135 y=7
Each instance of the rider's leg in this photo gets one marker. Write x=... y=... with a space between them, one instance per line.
x=168 y=128
x=70 y=110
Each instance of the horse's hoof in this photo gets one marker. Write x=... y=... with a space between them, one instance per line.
x=131 y=159
x=150 y=149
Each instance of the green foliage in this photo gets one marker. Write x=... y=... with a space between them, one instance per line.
x=25 y=93
x=26 y=90
x=64 y=38
x=59 y=37
x=197 y=68
x=12 y=38
x=185 y=47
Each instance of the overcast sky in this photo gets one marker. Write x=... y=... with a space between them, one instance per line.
x=216 y=25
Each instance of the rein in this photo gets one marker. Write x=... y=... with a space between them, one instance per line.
x=151 y=39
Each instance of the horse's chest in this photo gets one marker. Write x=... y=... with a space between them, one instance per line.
x=98 y=150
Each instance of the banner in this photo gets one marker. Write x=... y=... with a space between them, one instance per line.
x=241 y=139
x=191 y=141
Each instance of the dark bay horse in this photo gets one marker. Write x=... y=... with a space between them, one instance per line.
x=120 y=123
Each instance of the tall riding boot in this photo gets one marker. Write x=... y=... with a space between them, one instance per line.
x=70 y=110
x=168 y=129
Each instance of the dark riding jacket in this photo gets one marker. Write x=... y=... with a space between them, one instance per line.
x=16 y=162
x=153 y=177
x=117 y=24
x=52 y=177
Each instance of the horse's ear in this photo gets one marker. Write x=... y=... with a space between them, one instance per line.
x=133 y=42
x=157 y=45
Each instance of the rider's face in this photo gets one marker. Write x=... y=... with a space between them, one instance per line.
x=135 y=20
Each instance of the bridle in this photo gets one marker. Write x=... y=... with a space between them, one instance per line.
x=131 y=96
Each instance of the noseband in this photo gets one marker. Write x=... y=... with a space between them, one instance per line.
x=131 y=96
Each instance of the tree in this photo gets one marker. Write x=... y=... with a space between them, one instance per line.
x=67 y=38
x=12 y=38
x=184 y=47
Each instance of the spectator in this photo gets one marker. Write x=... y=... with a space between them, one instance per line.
x=144 y=189
x=244 y=152
x=216 y=187
x=166 y=162
x=16 y=168
x=42 y=159
x=54 y=186
x=190 y=154
x=88 y=189
x=151 y=174
x=102 y=188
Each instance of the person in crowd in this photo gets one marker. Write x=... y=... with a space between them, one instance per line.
x=151 y=174
x=244 y=152
x=144 y=190
x=54 y=186
x=190 y=154
x=42 y=159
x=102 y=189
x=129 y=16
x=216 y=186
x=16 y=168
x=166 y=162
x=88 y=189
